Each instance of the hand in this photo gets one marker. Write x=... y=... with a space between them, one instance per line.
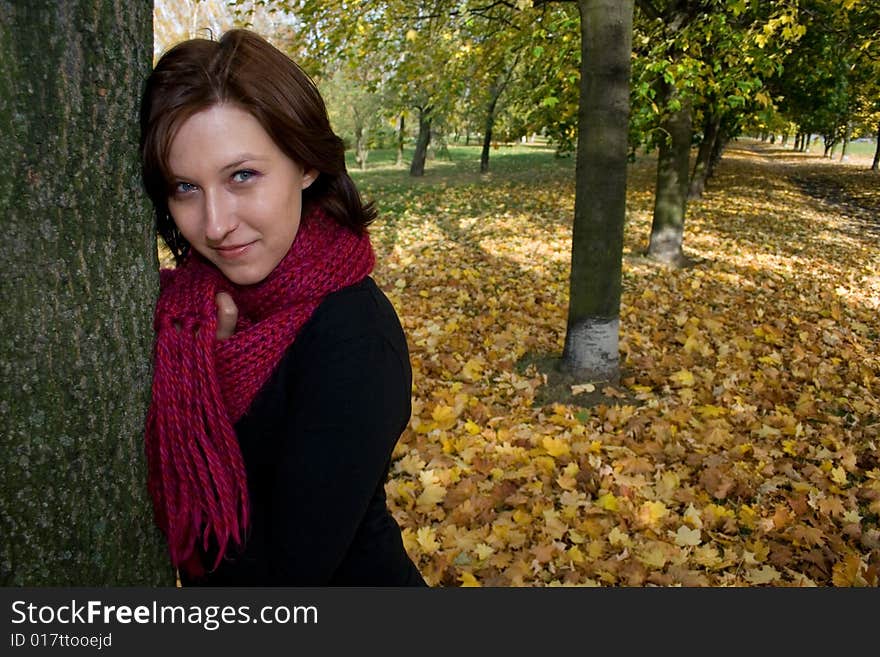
x=227 y=315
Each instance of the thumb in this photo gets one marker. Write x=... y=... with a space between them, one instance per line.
x=227 y=315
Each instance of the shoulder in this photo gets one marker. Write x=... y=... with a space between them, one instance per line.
x=356 y=311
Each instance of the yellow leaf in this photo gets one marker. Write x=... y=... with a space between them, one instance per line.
x=607 y=502
x=444 y=416
x=687 y=537
x=484 y=551
x=617 y=537
x=411 y=35
x=584 y=387
x=709 y=410
x=556 y=447
x=651 y=513
x=846 y=572
x=574 y=553
x=467 y=579
x=683 y=378
x=432 y=492
x=472 y=427
x=472 y=370
x=838 y=475
x=763 y=575
x=426 y=538
x=654 y=555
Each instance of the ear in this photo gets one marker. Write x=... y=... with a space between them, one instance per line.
x=309 y=177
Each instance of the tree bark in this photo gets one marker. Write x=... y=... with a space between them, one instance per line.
x=847 y=135
x=670 y=197
x=360 y=142
x=417 y=168
x=400 y=135
x=591 y=340
x=702 y=167
x=876 y=163
x=487 y=135
x=78 y=292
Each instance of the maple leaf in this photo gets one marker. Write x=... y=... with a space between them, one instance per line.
x=468 y=580
x=432 y=492
x=687 y=537
x=764 y=575
x=683 y=378
x=426 y=538
x=846 y=572
x=556 y=447
x=651 y=513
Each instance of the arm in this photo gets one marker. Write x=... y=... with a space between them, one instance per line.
x=351 y=401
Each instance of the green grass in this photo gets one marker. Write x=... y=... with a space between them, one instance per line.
x=460 y=169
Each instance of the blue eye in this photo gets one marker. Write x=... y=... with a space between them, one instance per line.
x=243 y=175
x=183 y=188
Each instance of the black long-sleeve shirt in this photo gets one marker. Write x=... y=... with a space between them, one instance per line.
x=317 y=445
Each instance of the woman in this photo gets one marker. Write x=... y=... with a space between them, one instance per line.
x=281 y=373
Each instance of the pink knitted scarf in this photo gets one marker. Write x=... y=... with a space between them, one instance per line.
x=202 y=386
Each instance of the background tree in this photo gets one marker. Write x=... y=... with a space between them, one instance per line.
x=705 y=59
x=78 y=294
x=592 y=333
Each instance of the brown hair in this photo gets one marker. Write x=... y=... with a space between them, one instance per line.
x=244 y=69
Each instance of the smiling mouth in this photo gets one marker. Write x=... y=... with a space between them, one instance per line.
x=232 y=252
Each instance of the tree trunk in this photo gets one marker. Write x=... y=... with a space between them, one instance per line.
x=702 y=166
x=670 y=197
x=417 y=168
x=400 y=129
x=591 y=339
x=360 y=143
x=360 y=148
x=78 y=292
x=847 y=135
x=487 y=136
x=876 y=163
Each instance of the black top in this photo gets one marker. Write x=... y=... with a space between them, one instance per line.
x=317 y=444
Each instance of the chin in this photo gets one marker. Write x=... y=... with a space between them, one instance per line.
x=245 y=277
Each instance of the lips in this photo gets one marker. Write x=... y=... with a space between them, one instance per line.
x=233 y=251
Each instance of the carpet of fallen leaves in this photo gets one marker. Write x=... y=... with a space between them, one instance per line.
x=744 y=447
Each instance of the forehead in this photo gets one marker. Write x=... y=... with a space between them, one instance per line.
x=213 y=135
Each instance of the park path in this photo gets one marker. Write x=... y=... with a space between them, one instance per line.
x=848 y=189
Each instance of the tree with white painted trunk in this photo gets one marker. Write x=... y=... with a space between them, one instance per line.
x=591 y=342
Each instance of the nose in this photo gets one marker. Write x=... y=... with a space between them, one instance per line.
x=220 y=217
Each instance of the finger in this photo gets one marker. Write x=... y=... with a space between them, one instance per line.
x=227 y=315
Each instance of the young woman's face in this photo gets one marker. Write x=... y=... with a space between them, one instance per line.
x=236 y=197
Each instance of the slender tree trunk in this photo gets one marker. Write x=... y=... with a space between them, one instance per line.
x=487 y=136
x=702 y=166
x=400 y=139
x=591 y=339
x=784 y=139
x=360 y=146
x=875 y=165
x=417 y=168
x=670 y=197
x=847 y=135
x=721 y=140
x=78 y=290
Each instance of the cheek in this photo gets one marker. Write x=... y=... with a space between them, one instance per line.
x=185 y=221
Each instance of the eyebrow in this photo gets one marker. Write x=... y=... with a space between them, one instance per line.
x=241 y=159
